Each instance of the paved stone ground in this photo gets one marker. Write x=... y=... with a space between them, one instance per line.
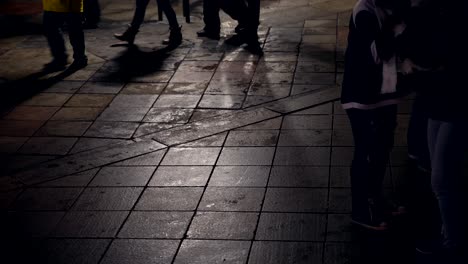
x=203 y=154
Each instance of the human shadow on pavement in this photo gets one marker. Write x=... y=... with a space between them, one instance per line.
x=136 y=62
x=14 y=92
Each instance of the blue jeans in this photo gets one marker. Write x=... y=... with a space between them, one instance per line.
x=448 y=145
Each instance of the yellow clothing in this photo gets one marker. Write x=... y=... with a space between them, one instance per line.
x=63 y=6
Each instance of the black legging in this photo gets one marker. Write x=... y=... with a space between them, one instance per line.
x=373 y=132
x=165 y=6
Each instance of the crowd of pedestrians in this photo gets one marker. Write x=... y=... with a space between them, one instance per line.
x=85 y=14
x=395 y=47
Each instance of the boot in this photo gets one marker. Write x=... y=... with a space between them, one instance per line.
x=128 y=35
x=175 y=37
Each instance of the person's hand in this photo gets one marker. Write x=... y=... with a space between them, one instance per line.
x=407 y=67
x=399 y=28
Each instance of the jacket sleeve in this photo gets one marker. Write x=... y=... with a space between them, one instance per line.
x=380 y=40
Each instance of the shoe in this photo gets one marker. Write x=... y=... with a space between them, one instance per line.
x=128 y=35
x=254 y=48
x=373 y=219
x=175 y=37
x=55 y=66
x=236 y=40
x=208 y=34
x=78 y=64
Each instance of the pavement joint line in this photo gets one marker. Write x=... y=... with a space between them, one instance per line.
x=83 y=161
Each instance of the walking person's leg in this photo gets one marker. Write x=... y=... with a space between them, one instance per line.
x=53 y=21
x=138 y=17
x=175 y=37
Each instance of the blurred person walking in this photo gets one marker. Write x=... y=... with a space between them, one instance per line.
x=175 y=36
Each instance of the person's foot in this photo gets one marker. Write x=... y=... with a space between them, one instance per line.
x=55 y=66
x=175 y=37
x=208 y=34
x=254 y=47
x=371 y=218
x=128 y=35
x=78 y=64
x=236 y=40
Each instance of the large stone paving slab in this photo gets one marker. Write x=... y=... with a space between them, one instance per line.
x=141 y=251
x=213 y=251
x=86 y=160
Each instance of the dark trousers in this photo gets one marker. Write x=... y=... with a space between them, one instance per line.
x=91 y=11
x=165 y=6
x=235 y=9
x=373 y=132
x=53 y=21
x=417 y=140
x=253 y=14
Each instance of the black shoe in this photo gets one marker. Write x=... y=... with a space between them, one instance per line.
x=208 y=34
x=55 y=66
x=175 y=37
x=236 y=40
x=128 y=35
x=254 y=48
x=78 y=64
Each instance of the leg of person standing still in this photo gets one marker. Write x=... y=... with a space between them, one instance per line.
x=211 y=19
x=53 y=21
x=92 y=14
x=448 y=145
x=77 y=40
x=373 y=139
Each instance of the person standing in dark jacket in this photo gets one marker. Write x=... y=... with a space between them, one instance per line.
x=370 y=98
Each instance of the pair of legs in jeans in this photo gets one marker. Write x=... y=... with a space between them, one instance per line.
x=373 y=132
x=448 y=146
x=53 y=22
